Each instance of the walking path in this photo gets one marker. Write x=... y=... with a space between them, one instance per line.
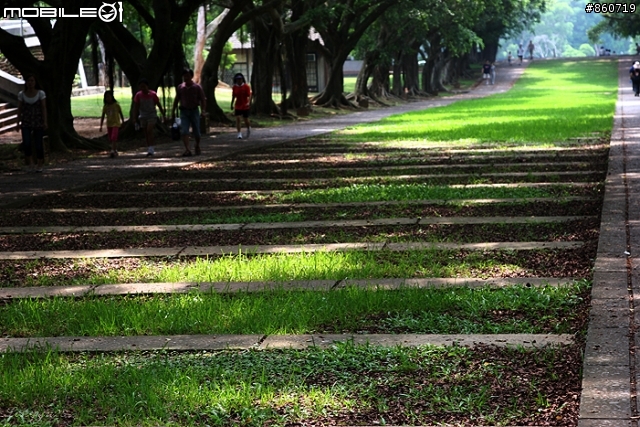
x=15 y=186
x=610 y=364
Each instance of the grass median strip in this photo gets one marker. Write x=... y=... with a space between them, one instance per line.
x=361 y=385
x=353 y=309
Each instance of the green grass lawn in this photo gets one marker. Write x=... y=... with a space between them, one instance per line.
x=362 y=384
x=410 y=310
x=552 y=101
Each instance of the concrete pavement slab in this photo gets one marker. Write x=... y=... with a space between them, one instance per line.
x=607 y=346
x=609 y=313
x=609 y=285
x=605 y=392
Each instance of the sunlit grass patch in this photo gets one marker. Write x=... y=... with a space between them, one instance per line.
x=551 y=102
x=353 y=309
x=255 y=388
x=285 y=267
x=380 y=192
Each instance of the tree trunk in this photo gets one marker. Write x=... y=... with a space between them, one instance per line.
x=296 y=46
x=266 y=47
x=62 y=46
x=368 y=65
x=411 y=70
x=333 y=94
x=198 y=60
x=379 y=87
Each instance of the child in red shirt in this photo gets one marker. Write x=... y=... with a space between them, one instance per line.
x=242 y=96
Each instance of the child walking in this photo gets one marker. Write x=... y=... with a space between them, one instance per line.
x=113 y=112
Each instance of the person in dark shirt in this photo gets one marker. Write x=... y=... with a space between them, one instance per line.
x=486 y=71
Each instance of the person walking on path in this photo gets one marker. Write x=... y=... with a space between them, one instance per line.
x=635 y=66
x=189 y=96
x=509 y=58
x=635 y=81
x=144 y=109
x=520 y=53
x=486 y=72
x=242 y=97
x=115 y=118
x=530 y=48
x=32 y=120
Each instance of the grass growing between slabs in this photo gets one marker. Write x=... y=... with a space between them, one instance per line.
x=551 y=102
x=400 y=192
x=353 y=309
x=301 y=266
x=361 y=385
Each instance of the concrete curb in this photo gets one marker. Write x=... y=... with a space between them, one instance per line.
x=230 y=287
x=195 y=251
x=262 y=342
x=306 y=205
x=296 y=224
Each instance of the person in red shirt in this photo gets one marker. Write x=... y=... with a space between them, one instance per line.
x=242 y=97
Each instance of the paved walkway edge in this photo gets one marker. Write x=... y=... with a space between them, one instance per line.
x=606 y=399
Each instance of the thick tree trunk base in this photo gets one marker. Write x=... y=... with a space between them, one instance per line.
x=335 y=102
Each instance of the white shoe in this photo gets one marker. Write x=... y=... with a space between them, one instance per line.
x=239 y=136
x=248 y=132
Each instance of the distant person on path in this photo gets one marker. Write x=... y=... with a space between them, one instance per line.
x=242 y=97
x=530 y=48
x=635 y=67
x=520 y=53
x=509 y=58
x=637 y=49
x=635 y=81
x=486 y=71
x=144 y=109
x=32 y=120
x=113 y=112
x=189 y=96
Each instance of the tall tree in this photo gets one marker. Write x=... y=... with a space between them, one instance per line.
x=167 y=20
x=342 y=23
x=62 y=42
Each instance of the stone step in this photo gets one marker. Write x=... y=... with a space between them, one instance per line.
x=195 y=193
x=294 y=224
x=202 y=251
x=373 y=168
x=77 y=291
x=271 y=342
x=306 y=205
x=378 y=177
